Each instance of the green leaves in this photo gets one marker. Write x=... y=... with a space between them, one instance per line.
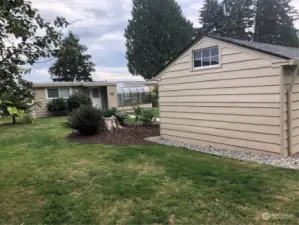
x=19 y=24
x=13 y=111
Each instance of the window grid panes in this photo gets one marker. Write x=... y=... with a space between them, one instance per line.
x=58 y=93
x=206 y=57
x=132 y=93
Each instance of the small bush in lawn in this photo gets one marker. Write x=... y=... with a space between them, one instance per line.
x=26 y=119
x=76 y=100
x=57 y=105
x=147 y=116
x=87 y=120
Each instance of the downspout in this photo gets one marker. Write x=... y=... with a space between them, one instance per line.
x=289 y=111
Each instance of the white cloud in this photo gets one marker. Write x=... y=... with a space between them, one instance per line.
x=114 y=74
x=100 y=25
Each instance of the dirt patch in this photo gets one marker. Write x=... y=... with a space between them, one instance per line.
x=126 y=136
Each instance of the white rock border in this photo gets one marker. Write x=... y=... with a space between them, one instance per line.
x=282 y=162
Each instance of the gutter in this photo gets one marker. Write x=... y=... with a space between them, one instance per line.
x=290 y=106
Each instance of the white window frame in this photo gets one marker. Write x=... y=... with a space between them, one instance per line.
x=193 y=68
x=46 y=90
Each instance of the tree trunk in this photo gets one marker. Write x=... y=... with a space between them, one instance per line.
x=14 y=119
x=112 y=124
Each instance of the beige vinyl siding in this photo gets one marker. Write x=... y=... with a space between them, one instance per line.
x=112 y=96
x=288 y=72
x=235 y=105
x=40 y=97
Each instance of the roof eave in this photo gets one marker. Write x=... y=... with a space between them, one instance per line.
x=294 y=62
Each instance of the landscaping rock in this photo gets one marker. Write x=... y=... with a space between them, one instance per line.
x=283 y=162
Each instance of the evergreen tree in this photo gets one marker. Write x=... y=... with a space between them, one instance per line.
x=274 y=23
x=212 y=18
x=156 y=33
x=72 y=63
x=238 y=18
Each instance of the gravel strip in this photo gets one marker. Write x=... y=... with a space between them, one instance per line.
x=289 y=162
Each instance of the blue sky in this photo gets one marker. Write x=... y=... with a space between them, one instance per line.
x=100 y=26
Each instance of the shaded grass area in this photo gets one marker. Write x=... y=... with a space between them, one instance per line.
x=6 y=119
x=45 y=179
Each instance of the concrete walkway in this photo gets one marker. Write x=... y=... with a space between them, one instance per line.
x=133 y=117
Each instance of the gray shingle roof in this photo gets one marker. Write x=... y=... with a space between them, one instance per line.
x=276 y=50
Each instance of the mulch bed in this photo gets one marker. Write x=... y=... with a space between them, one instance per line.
x=129 y=135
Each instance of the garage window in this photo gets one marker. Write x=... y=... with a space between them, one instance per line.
x=206 y=57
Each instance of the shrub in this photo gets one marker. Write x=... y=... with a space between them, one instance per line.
x=26 y=119
x=138 y=111
x=110 y=112
x=147 y=116
x=87 y=120
x=57 y=105
x=121 y=116
x=155 y=97
x=76 y=100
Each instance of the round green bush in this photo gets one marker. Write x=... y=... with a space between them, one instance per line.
x=87 y=120
x=57 y=105
x=76 y=100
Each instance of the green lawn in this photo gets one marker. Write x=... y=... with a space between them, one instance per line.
x=44 y=179
x=131 y=121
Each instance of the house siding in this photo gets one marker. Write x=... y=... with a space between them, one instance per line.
x=41 y=99
x=235 y=105
x=112 y=96
x=288 y=72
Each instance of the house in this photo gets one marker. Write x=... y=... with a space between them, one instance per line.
x=233 y=94
x=103 y=94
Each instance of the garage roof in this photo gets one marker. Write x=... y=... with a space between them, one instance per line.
x=270 y=49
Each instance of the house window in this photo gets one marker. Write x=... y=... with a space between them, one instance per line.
x=206 y=57
x=95 y=93
x=58 y=93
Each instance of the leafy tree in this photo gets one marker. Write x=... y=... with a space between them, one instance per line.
x=15 y=106
x=22 y=44
x=212 y=18
x=72 y=63
x=157 y=32
x=274 y=22
x=238 y=19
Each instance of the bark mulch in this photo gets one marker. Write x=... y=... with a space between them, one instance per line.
x=129 y=135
